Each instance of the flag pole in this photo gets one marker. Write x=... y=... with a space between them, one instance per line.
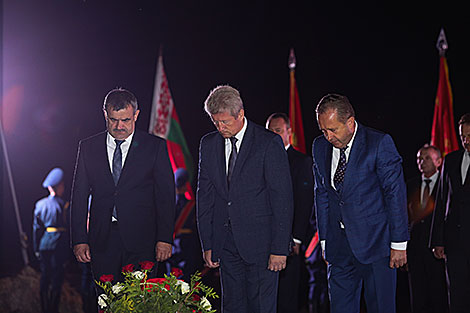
x=21 y=233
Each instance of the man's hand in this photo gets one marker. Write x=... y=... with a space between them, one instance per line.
x=82 y=252
x=296 y=249
x=439 y=252
x=162 y=251
x=397 y=258
x=277 y=262
x=208 y=259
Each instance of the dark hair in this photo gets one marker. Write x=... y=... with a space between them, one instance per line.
x=118 y=99
x=431 y=147
x=336 y=102
x=465 y=119
x=279 y=115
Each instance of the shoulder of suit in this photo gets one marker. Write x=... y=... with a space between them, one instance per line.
x=94 y=137
x=453 y=155
x=139 y=135
x=210 y=136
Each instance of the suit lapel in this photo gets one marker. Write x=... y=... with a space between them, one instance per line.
x=104 y=160
x=355 y=154
x=328 y=159
x=245 y=148
x=133 y=150
x=221 y=162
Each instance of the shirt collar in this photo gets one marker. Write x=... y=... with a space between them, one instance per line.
x=110 y=140
x=433 y=177
x=241 y=133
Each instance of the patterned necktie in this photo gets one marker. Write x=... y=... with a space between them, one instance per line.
x=232 y=159
x=340 y=169
x=426 y=193
x=117 y=166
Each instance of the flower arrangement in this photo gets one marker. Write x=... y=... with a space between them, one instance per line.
x=155 y=295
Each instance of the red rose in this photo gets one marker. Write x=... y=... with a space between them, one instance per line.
x=156 y=281
x=196 y=297
x=146 y=265
x=177 y=272
x=128 y=268
x=106 y=278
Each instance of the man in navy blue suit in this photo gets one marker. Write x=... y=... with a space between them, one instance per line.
x=128 y=174
x=244 y=205
x=360 y=202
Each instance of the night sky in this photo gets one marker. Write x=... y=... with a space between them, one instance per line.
x=60 y=58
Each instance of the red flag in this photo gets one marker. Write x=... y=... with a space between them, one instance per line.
x=164 y=122
x=295 y=114
x=443 y=133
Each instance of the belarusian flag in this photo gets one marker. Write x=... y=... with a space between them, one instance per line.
x=164 y=122
x=443 y=133
x=295 y=114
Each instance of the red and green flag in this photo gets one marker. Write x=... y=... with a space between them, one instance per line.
x=295 y=114
x=164 y=122
x=443 y=133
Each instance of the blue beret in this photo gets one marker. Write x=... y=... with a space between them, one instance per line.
x=53 y=178
x=181 y=177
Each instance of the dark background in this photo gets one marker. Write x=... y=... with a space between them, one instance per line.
x=60 y=58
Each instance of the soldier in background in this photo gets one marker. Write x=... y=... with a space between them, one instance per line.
x=51 y=240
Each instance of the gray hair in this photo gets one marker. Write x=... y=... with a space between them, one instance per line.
x=223 y=99
x=336 y=102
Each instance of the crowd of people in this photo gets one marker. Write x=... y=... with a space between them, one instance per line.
x=260 y=207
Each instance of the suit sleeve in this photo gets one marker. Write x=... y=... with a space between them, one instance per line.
x=320 y=198
x=279 y=184
x=437 y=226
x=164 y=188
x=303 y=198
x=390 y=174
x=79 y=202
x=205 y=197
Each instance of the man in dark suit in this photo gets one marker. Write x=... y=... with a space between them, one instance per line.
x=451 y=220
x=51 y=240
x=360 y=202
x=427 y=277
x=302 y=185
x=128 y=174
x=244 y=205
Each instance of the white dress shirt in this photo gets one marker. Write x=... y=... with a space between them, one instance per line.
x=465 y=165
x=228 y=143
x=433 y=182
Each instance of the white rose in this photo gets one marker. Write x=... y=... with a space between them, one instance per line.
x=102 y=301
x=138 y=274
x=184 y=286
x=117 y=288
x=205 y=303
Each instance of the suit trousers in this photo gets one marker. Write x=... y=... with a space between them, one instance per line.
x=346 y=277
x=246 y=287
x=427 y=278
x=289 y=280
x=458 y=269
x=111 y=259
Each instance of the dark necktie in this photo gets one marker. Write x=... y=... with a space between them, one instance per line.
x=232 y=159
x=426 y=193
x=340 y=169
x=117 y=166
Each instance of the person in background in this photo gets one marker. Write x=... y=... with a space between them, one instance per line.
x=426 y=274
x=450 y=232
x=51 y=240
x=302 y=186
x=186 y=246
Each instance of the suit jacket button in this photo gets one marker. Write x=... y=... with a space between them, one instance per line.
x=229 y=203
x=115 y=193
x=341 y=203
